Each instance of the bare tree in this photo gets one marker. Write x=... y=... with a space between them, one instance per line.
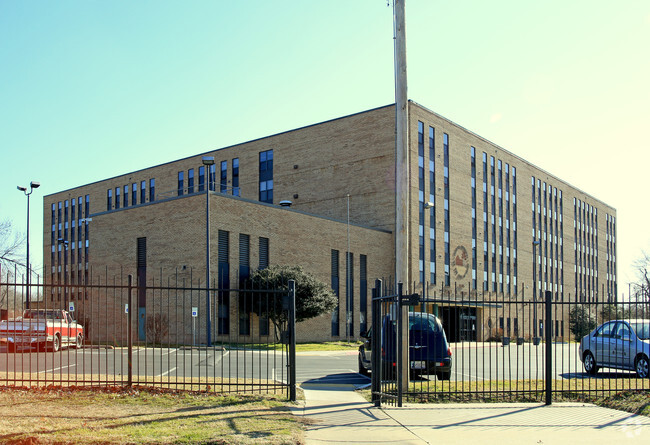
x=11 y=243
x=641 y=289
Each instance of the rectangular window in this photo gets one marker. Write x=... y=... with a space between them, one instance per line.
x=266 y=177
x=143 y=192
x=117 y=197
x=190 y=181
x=152 y=190
x=235 y=177
x=126 y=196
x=212 y=177
x=223 y=299
x=335 y=289
x=245 y=298
x=201 y=178
x=349 y=286
x=223 y=182
x=363 y=293
x=181 y=183
x=264 y=253
x=134 y=193
x=109 y=199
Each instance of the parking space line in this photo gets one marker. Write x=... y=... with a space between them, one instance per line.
x=57 y=369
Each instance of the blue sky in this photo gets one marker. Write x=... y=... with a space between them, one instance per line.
x=92 y=89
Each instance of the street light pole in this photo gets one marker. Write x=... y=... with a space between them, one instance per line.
x=32 y=185
x=348 y=281
x=207 y=161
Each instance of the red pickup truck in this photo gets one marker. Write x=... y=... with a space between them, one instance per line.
x=41 y=328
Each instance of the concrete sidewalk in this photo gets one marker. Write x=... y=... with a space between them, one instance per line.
x=340 y=415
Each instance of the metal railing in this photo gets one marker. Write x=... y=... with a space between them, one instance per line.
x=152 y=335
x=506 y=349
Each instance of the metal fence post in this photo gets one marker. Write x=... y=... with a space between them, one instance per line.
x=292 y=340
x=400 y=346
x=129 y=327
x=375 y=347
x=549 y=339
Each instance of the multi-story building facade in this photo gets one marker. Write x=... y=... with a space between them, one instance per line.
x=481 y=221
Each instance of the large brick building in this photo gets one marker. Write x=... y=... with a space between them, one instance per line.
x=481 y=220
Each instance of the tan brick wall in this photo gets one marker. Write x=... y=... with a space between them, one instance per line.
x=316 y=167
x=175 y=233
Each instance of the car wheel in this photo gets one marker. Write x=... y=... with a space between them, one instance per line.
x=589 y=363
x=443 y=375
x=80 y=342
x=362 y=369
x=641 y=367
x=56 y=344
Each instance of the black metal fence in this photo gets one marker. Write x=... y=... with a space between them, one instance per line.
x=505 y=349
x=114 y=332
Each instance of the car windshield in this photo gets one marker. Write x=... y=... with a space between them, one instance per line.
x=642 y=329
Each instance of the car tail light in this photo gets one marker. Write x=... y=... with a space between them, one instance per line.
x=449 y=352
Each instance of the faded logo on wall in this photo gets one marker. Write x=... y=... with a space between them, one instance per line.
x=460 y=262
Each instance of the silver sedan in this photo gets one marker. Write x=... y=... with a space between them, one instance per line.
x=619 y=344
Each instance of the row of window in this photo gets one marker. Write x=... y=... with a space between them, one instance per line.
x=70 y=243
x=119 y=197
x=190 y=187
x=611 y=254
x=430 y=204
x=499 y=225
x=585 y=246
x=547 y=232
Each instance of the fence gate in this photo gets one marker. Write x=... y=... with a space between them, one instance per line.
x=388 y=348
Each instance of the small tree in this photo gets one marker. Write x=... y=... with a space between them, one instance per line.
x=313 y=297
x=581 y=321
x=610 y=312
x=157 y=327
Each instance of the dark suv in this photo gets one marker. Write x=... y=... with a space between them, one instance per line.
x=429 y=351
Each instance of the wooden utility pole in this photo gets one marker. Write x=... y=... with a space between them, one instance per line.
x=401 y=177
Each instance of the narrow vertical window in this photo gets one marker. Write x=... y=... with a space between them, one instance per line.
x=109 y=199
x=126 y=196
x=201 y=178
x=264 y=253
x=245 y=299
x=134 y=193
x=349 y=287
x=266 y=177
x=223 y=299
x=363 y=293
x=190 y=181
x=235 y=177
x=212 y=173
x=432 y=210
x=335 y=288
x=474 y=231
x=264 y=304
x=152 y=190
x=181 y=183
x=223 y=181
x=447 y=222
x=143 y=192
x=421 y=201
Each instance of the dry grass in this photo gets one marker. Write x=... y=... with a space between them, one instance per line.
x=143 y=416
